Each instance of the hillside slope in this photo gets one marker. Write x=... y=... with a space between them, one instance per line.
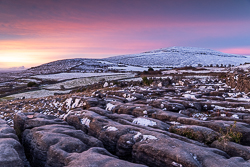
x=179 y=57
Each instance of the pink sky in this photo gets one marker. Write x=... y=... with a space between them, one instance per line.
x=36 y=32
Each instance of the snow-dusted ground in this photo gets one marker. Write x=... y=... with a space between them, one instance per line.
x=132 y=79
x=133 y=68
x=88 y=81
x=180 y=57
x=244 y=67
x=67 y=76
x=201 y=71
x=36 y=94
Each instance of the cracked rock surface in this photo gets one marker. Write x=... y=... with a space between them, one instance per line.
x=192 y=122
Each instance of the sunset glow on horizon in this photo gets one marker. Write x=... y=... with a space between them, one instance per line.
x=37 y=32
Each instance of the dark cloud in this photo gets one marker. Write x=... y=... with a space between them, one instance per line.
x=140 y=9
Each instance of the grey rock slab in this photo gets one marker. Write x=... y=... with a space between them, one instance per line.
x=98 y=157
x=11 y=151
x=233 y=149
x=30 y=120
x=165 y=151
x=199 y=133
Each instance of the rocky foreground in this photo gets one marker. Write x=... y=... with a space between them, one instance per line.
x=188 y=122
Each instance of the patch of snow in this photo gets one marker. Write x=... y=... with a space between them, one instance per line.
x=66 y=115
x=110 y=107
x=148 y=137
x=111 y=128
x=183 y=126
x=174 y=123
x=221 y=89
x=176 y=164
x=76 y=103
x=201 y=116
x=195 y=157
x=68 y=103
x=85 y=121
x=181 y=83
x=189 y=96
x=160 y=84
x=137 y=135
x=235 y=116
x=241 y=109
x=131 y=98
x=239 y=99
x=234 y=94
x=144 y=122
x=191 y=104
x=162 y=105
x=106 y=84
x=128 y=142
x=223 y=115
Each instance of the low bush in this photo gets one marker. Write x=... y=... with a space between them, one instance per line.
x=231 y=134
x=147 y=81
x=32 y=84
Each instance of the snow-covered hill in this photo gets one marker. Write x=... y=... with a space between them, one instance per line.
x=179 y=57
x=166 y=57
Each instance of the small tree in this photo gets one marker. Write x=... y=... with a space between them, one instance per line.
x=150 y=69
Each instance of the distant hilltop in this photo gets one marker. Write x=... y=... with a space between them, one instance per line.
x=180 y=57
x=13 y=68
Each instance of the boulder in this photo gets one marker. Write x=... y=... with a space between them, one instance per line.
x=173 y=106
x=164 y=151
x=98 y=157
x=99 y=111
x=199 y=133
x=167 y=115
x=12 y=152
x=93 y=102
x=50 y=145
x=233 y=149
x=30 y=120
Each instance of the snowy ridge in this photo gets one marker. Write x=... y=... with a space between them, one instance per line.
x=180 y=57
x=165 y=57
